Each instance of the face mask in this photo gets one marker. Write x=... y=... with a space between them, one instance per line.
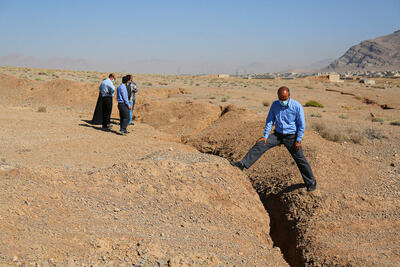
x=284 y=103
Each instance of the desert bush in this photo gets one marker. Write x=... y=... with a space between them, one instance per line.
x=265 y=103
x=313 y=103
x=375 y=119
x=197 y=84
x=225 y=98
x=395 y=123
x=372 y=133
x=343 y=116
x=328 y=134
x=42 y=109
x=309 y=87
x=38 y=79
x=316 y=115
x=211 y=97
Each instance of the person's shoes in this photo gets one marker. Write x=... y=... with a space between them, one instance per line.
x=127 y=131
x=123 y=132
x=106 y=129
x=312 y=187
x=237 y=164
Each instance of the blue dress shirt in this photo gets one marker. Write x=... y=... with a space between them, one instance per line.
x=122 y=94
x=107 y=87
x=288 y=119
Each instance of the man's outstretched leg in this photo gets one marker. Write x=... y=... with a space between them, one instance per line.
x=256 y=152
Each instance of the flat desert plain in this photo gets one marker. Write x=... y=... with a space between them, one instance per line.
x=166 y=195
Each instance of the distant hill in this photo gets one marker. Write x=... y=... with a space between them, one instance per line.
x=382 y=53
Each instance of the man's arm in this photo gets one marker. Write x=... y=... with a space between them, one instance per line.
x=110 y=87
x=268 y=125
x=269 y=122
x=301 y=124
x=124 y=94
x=134 y=86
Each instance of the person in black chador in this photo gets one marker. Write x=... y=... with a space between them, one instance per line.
x=103 y=108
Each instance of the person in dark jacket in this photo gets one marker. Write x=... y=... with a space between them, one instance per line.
x=132 y=90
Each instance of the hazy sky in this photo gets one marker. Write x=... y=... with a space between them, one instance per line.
x=188 y=36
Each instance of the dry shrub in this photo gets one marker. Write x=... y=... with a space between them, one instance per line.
x=338 y=135
x=265 y=103
x=42 y=109
x=395 y=123
x=375 y=119
x=316 y=115
x=313 y=103
x=225 y=98
x=372 y=133
x=328 y=134
x=354 y=136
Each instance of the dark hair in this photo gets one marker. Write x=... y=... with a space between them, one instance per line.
x=129 y=76
x=111 y=75
x=284 y=88
x=125 y=79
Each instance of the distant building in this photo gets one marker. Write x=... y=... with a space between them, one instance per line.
x=334 y=78
x=223 y=75
x=368 y=81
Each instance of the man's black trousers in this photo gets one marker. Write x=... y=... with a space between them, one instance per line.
x=123 y=115
x=107 y=108
x=288 y=141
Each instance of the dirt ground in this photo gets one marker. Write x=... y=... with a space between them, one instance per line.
x=166 y=195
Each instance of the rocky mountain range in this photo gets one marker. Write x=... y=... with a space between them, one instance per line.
x=382 y=53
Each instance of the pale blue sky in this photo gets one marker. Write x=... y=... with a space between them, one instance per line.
x=190 y=36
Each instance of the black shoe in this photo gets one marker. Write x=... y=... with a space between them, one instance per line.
x=238 y=164
x=106 y=129
x=312 y=187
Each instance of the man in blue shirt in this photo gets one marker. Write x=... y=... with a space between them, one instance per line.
x=123 y=105
x=107 y=90
x=288 y=116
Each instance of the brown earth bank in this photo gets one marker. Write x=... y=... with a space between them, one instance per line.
x=72 y=193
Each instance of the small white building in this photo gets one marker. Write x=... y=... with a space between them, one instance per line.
x=223 y=75
x=334 y=78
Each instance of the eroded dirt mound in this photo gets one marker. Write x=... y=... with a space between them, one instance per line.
x=58 y=92
x=178 y=117
x=167 y=209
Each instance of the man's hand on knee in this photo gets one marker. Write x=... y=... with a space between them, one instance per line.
x=296 y=146
x=262 y=139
